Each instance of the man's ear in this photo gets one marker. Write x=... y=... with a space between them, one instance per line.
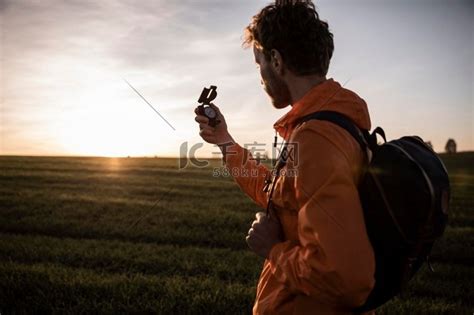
x=277 y=61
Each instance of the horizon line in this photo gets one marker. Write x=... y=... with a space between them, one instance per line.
x=154 y=156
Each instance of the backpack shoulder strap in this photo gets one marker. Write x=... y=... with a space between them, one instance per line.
x=343 y=122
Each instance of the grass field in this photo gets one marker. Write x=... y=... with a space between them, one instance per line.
x=100 y=235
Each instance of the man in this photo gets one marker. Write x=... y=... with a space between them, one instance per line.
x=318 y=256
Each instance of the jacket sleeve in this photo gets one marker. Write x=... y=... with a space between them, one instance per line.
x=333 y=260
x=248 y=174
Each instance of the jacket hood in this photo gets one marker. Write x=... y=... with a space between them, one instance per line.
x=328 y=95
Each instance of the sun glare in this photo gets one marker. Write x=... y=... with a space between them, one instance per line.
x=107 y=120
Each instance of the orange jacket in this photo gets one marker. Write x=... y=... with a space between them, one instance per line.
x=325 y=265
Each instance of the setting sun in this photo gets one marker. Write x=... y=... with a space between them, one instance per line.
x=106 y=118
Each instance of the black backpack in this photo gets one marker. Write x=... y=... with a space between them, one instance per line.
x=405 y=194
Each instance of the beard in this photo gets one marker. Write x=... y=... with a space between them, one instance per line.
x=277 y=90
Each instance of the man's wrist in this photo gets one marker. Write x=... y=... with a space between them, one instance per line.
x=225 y=146
x=227 y=140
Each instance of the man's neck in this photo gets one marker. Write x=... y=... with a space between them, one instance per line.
x=300 y=85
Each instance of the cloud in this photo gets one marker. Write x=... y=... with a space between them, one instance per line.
x=55 y=51
x=65 y=57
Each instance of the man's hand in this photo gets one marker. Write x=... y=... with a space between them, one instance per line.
x=214 y=135
x=264 y=234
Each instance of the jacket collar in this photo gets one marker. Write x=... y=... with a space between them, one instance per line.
x=327 y=95
x=311 y=102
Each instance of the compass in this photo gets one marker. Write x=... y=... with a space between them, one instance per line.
x=206 y=109
x=210 y=112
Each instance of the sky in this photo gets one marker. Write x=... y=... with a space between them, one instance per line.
x=63 y=65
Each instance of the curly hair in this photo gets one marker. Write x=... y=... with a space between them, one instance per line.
x=294 y=29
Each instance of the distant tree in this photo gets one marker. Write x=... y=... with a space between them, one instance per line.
x=428 y=143
x=450 y=146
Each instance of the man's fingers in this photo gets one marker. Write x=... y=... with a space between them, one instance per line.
x=206 y=126
x=206 y=132
x=255 y=224
x=250 y=241
x=201 y=119
x=254 y=237
x=254 y=232
x=260 y=216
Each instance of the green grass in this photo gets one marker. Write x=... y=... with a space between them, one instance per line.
x=99 y=235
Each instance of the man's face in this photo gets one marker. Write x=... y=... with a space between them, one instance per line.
x=273 y=84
